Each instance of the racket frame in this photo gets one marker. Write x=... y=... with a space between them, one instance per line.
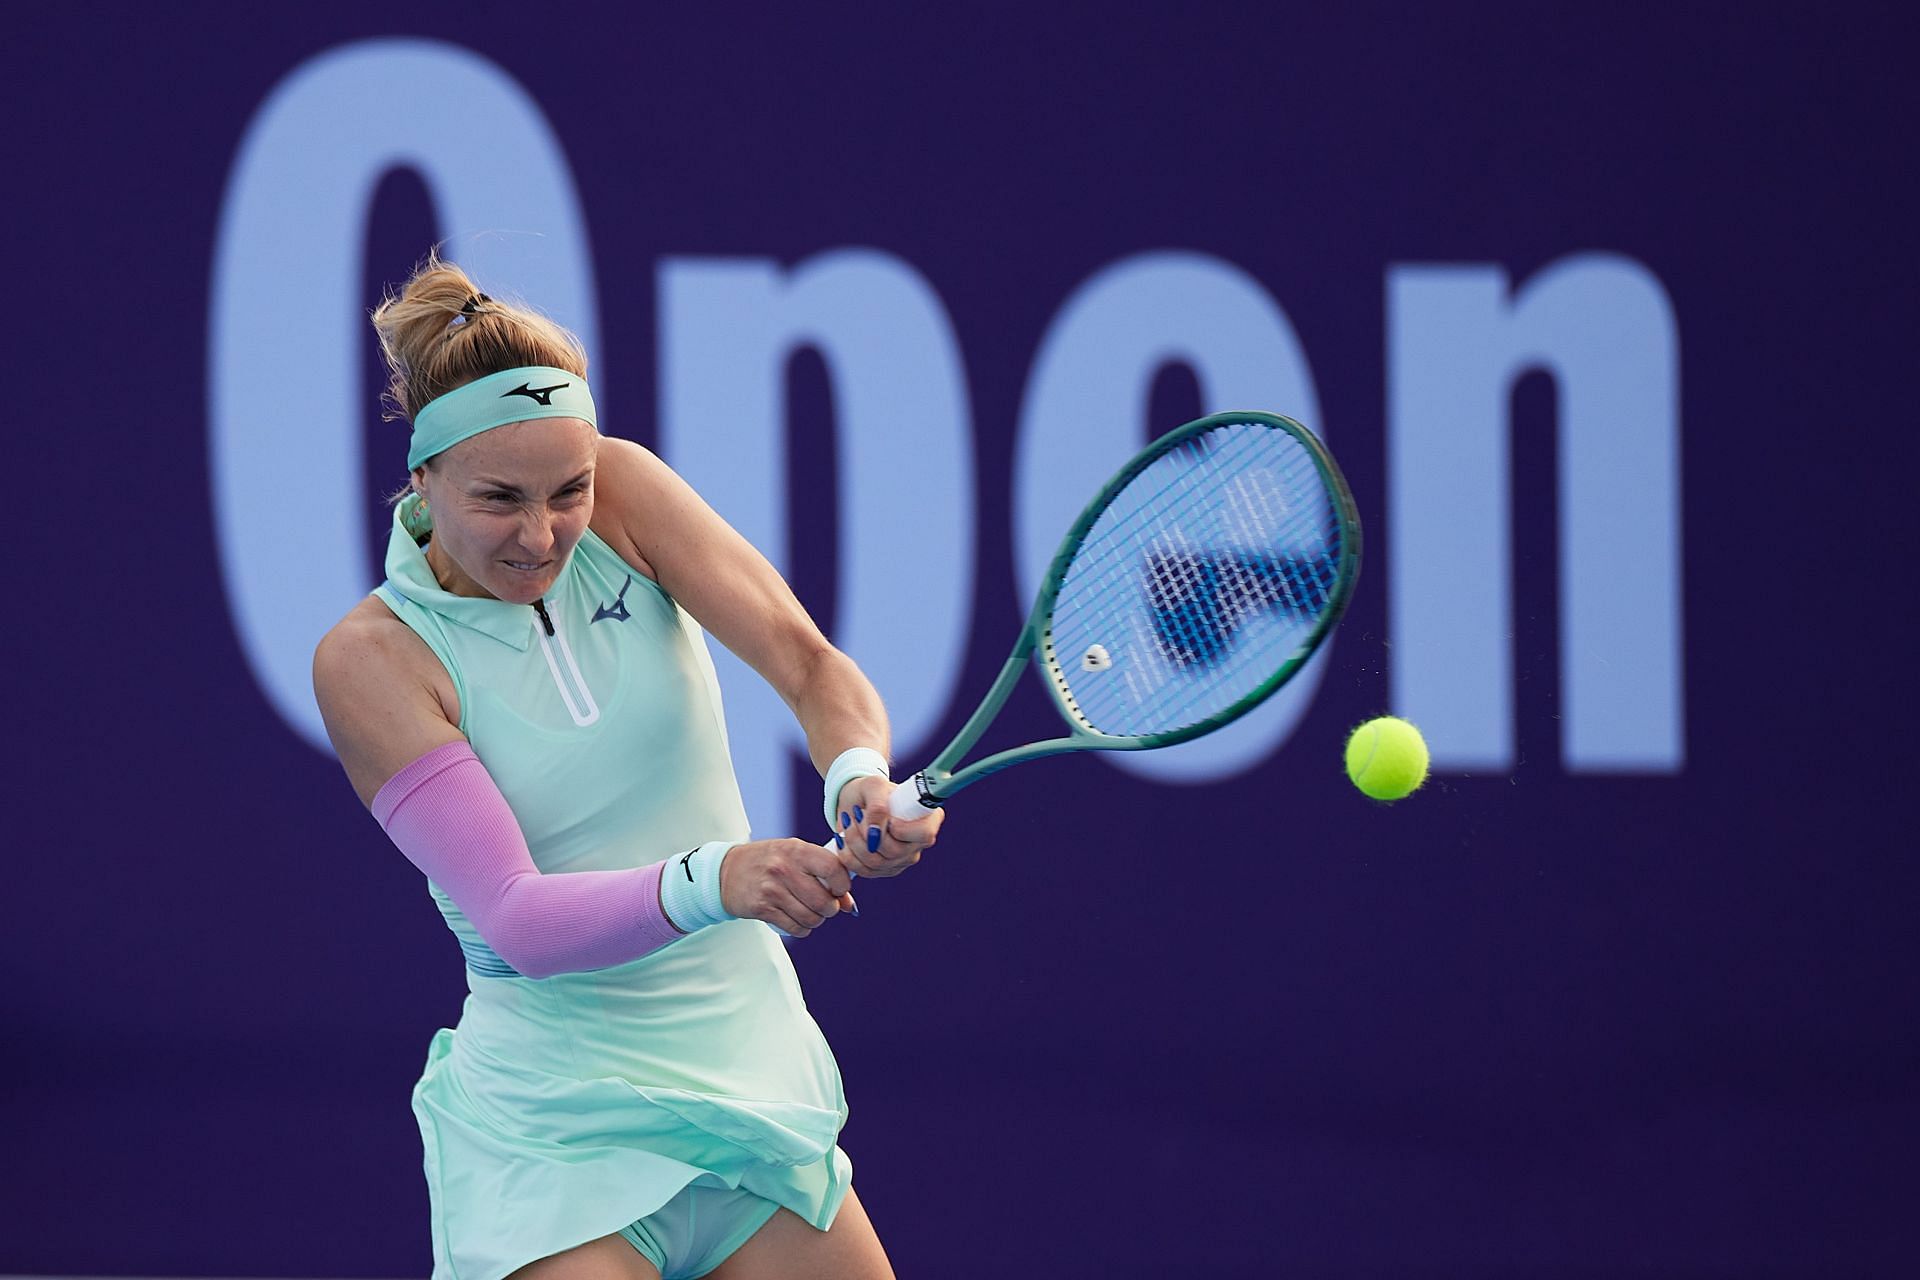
x=939 y=781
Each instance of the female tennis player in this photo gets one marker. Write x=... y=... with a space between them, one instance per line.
x=526 y=704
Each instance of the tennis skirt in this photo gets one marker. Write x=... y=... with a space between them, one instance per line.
x=563 y=1109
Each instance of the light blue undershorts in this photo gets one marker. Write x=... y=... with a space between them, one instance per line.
x=698 y=1229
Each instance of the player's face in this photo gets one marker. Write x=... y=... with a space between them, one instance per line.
x=508 y=507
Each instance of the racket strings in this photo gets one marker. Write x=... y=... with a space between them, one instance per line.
x=1204 y=575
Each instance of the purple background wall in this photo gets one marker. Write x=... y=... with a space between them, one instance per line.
x=1527 y=1024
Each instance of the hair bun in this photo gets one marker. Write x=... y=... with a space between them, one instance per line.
x=436 y=303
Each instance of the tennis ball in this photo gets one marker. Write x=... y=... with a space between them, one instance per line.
x=1387 y=758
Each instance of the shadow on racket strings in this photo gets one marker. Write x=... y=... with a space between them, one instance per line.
x=1200 y=602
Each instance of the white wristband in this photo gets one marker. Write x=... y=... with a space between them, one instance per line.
x=854 y=762
x=690 y=887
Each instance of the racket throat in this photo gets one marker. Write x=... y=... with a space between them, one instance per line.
x=922 y=793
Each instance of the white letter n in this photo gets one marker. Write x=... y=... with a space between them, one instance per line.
x=1602 y=326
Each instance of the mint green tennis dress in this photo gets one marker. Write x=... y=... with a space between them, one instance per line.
x=563 y=1109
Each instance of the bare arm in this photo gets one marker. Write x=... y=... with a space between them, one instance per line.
x=645 y=511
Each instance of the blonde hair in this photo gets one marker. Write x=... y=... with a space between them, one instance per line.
x=440 y=332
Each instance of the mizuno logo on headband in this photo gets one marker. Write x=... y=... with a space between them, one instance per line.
x=539 y=395
x=486 y=403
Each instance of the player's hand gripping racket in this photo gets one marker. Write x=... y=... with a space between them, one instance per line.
x=1194 y=585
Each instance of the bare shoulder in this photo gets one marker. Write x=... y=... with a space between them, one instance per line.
x=384 y=696
x=655 y=518
x=645 y=511
x=627 y=465
x=634 y=495
x=369 y=643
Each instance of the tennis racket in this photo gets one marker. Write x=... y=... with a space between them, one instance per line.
x=1195 y=584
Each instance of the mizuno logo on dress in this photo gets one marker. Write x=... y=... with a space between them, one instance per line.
x=618 y=609
x=539 y=395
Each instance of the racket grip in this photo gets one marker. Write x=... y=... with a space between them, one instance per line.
x=905 y=804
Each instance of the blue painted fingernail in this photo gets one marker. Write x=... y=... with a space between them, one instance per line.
x=855 y=908
x=857 y=815
x=839 y=842
x=843 y=820
x=873 y=839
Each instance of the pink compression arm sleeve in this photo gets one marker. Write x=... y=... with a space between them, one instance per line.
x=445 y=813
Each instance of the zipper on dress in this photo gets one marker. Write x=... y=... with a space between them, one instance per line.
x=583 y=709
